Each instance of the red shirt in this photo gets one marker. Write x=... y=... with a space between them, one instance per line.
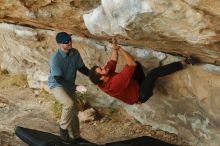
x=121 y=85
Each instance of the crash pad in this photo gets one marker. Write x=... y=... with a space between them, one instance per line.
x=40 y=138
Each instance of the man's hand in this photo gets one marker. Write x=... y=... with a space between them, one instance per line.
x=114 y=41
x=114 y=44
x=114 y=48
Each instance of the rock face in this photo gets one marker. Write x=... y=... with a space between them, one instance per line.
x=184 y=25
x=177 y=27
x=153 y=31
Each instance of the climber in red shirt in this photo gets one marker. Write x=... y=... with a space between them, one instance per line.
x=130 y=85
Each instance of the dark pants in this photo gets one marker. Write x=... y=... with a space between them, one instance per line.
x=146 y=84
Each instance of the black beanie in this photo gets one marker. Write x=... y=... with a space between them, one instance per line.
x=62 y=38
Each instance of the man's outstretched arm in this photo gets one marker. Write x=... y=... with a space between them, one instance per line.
x=84 y=70
x=114 y=55
x=114 y=48
x=129 y=59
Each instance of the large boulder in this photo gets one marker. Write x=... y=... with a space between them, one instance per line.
x=153 y=31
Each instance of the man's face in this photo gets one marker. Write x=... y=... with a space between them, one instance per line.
x=65 y=47
x=102 y=71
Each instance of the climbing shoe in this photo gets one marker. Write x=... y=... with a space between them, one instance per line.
x=81 y=141
x=64 y=135
x=191 y=60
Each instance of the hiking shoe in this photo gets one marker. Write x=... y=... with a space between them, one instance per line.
x=82 y=141
x=64 y=135
x=191 y=60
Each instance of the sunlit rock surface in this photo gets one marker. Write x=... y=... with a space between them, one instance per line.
x=182 y=27
x=142 y=17
x=187 y=26
x=153 y=31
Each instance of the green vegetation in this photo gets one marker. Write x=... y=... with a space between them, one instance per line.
x=81 y=102
x=112 y=110
x=45 y=97
x=57 y=109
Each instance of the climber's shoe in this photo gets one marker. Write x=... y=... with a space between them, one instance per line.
x=191 y=60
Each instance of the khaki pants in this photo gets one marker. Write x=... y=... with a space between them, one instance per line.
x=69 y=118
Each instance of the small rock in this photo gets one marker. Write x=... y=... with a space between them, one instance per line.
x=2 y=105
x=152 y=133
x=95 y=124
x=87 y=115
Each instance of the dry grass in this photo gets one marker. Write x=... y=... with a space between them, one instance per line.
x=45 y=97
x=81 y=103
x=7 y=80
x=57 y=110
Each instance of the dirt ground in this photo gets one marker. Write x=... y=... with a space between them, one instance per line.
x=22 y=106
